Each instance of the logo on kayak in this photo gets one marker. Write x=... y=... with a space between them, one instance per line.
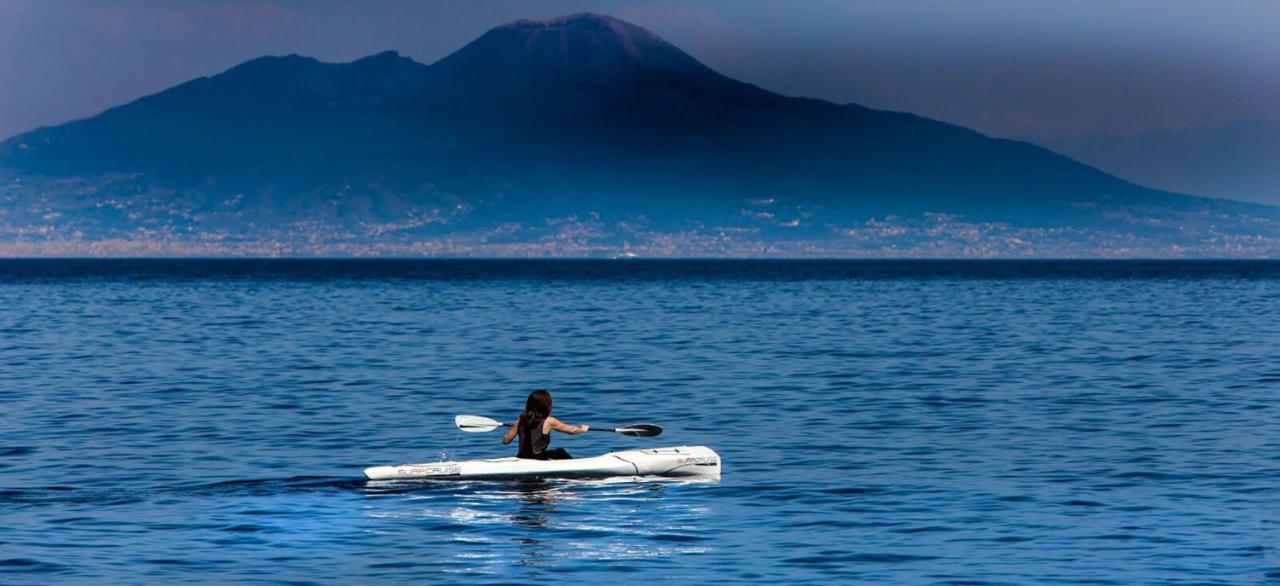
x=443 y=469
x=699 y=460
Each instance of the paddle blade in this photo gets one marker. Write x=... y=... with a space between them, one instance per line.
x=476 y=423
x=639 y=430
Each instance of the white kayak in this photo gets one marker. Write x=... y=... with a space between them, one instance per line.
x=683 y=461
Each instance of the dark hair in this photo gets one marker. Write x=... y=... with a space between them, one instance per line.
x=536 y=409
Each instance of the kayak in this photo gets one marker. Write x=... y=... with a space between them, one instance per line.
x=683 y=461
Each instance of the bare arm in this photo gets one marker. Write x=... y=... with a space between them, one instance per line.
x=562 y=427
x=511 y=432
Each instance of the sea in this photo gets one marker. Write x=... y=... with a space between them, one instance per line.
x=907 y=422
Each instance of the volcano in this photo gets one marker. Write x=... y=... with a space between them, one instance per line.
x=581 y=135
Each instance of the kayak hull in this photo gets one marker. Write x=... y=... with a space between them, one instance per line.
x=678 y=462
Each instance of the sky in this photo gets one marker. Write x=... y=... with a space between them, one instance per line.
x=1016 y=68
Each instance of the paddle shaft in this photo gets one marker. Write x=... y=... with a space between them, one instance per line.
x=608 y=429
x=476 y=423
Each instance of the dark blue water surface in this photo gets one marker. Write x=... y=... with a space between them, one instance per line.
x=1005 y=422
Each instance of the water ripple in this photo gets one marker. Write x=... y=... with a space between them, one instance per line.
x=988 y=423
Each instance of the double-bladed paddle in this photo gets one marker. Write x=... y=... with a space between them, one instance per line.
x=475 y=423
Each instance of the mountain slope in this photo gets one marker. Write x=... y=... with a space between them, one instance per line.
x=1238 y=161
x=583 y=129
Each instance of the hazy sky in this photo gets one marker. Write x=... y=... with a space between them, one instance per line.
x=1009 y=67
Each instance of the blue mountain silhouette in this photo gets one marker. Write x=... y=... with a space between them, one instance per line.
x=583 y=117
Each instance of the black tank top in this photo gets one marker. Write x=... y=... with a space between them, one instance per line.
x=533 y=443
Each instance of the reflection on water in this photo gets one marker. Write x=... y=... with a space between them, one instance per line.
x=545 y=524
x=538 y=499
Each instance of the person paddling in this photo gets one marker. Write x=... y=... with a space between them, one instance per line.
x=534 y=429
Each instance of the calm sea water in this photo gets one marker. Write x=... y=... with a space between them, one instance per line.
x=207 y=421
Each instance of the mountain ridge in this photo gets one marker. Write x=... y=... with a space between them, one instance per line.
x=584 y=120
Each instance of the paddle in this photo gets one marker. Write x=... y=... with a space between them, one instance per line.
x=475 y=423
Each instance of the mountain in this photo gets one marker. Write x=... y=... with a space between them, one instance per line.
x=1238 y=161
x=582 y=135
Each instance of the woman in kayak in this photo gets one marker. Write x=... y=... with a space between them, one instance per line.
x=534 y=428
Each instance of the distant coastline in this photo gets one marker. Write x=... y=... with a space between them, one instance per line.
x=688 y=269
